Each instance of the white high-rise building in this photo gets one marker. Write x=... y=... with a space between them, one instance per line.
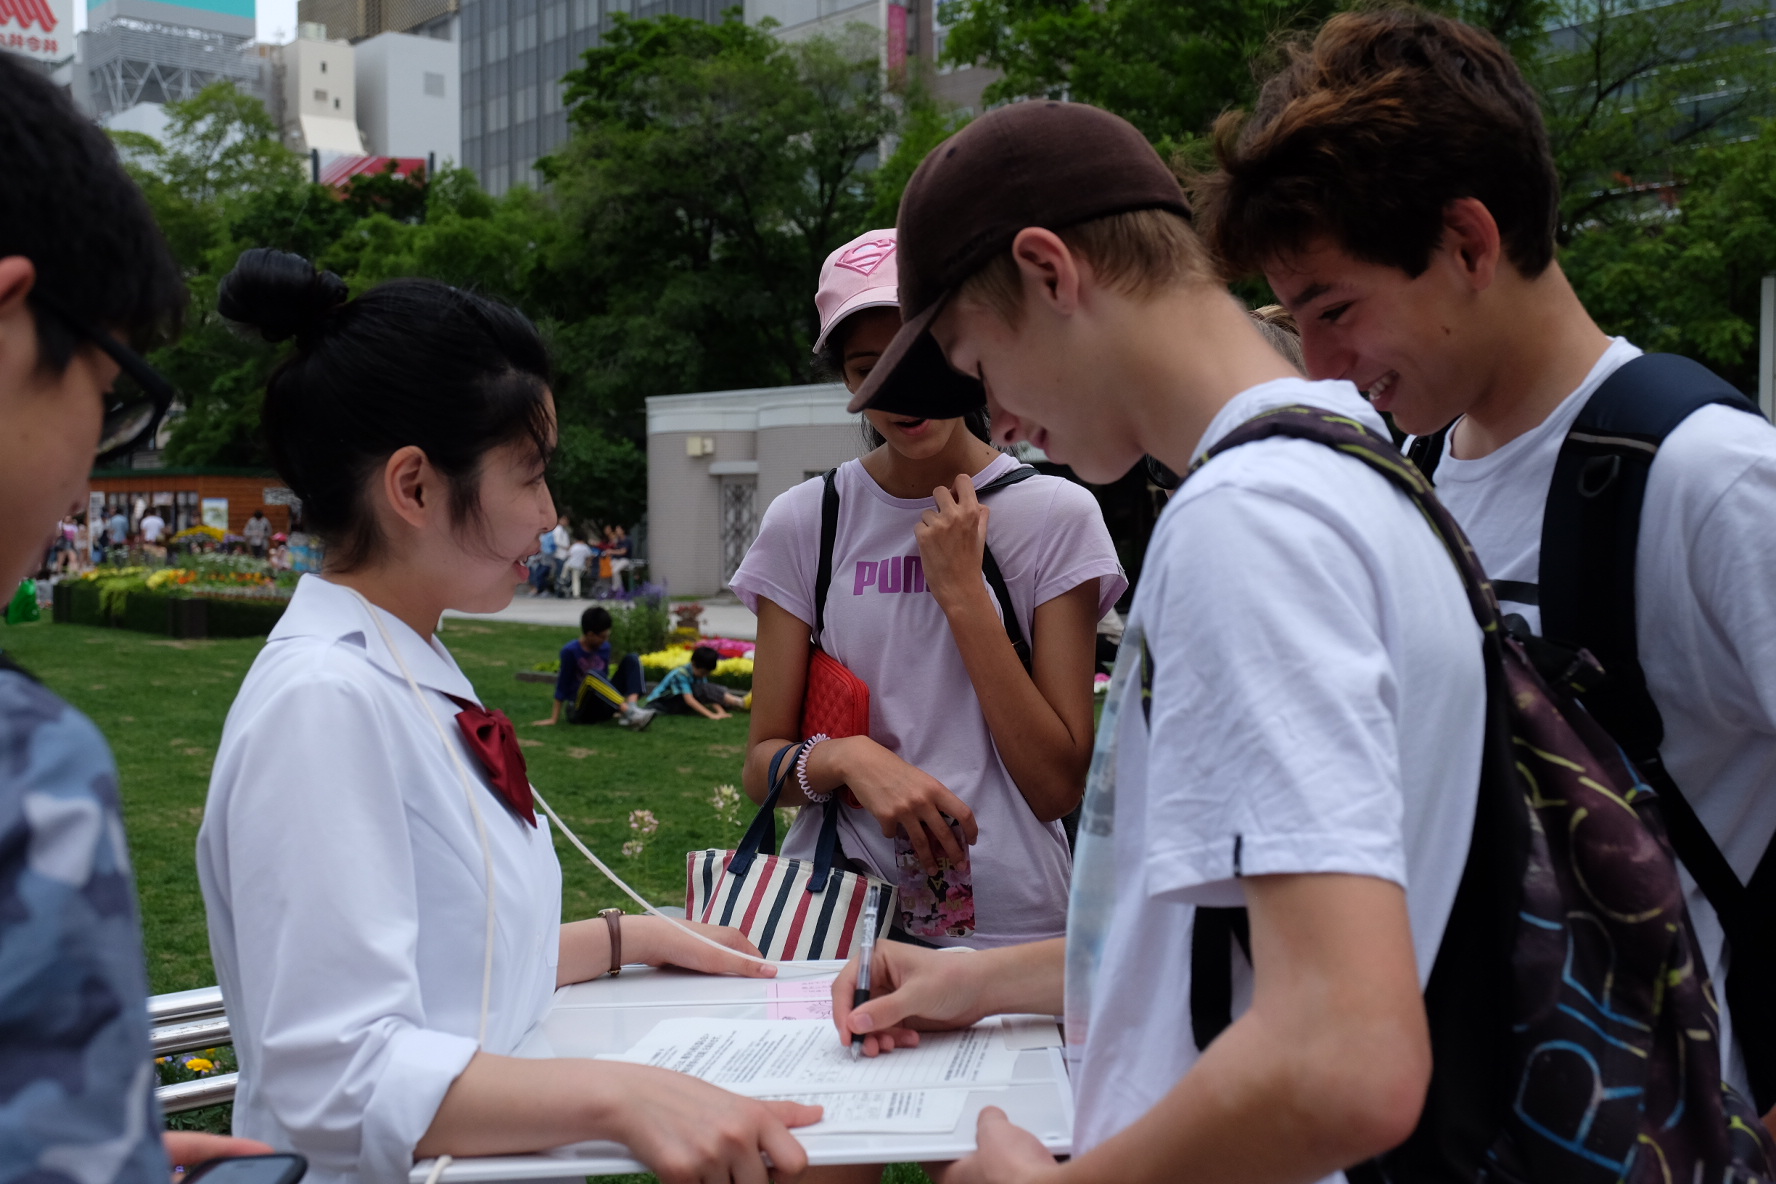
x=409 y=96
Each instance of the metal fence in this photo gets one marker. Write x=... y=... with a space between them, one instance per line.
x=187 y=1020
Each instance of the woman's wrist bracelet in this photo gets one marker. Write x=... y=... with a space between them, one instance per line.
x=801 y=768
x=613 y=918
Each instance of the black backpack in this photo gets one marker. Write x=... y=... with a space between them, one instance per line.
x=1574 y=1037
x=1586 y=594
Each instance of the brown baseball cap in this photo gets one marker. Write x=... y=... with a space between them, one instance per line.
x=1037 y=163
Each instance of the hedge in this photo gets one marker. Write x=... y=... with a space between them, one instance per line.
x=77 y=603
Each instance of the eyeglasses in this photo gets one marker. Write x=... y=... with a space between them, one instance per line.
x=137 y=401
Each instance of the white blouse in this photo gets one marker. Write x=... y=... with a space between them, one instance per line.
x=346 y=893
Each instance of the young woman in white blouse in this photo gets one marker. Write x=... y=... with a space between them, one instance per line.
x=363 y=804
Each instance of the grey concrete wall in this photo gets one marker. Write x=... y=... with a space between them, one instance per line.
x=684 y=510
x=787 y=455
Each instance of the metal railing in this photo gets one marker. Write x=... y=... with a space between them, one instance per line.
x=183 y=1021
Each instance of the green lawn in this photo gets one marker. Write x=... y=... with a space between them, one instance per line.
x=161 y=704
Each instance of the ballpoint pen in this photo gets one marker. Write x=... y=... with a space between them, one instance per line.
x=866 y=954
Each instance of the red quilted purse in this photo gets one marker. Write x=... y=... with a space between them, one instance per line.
x=836 y=701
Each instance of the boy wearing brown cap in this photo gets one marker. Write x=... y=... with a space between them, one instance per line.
x=1296 y=725
x=1396 y=186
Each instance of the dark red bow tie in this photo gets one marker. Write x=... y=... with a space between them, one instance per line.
x=494 y=742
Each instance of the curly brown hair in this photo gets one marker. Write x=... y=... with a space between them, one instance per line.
x=1367 y=133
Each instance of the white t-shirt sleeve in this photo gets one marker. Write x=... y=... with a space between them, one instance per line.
x=779 y=566
x=1075 y=548
x=1281 y=723
x=1731 y=562
x=321 y=886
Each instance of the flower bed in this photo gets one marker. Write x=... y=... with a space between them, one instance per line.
x=733 y=672
x=221 y=599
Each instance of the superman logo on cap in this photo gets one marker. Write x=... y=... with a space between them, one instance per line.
x=866 y=257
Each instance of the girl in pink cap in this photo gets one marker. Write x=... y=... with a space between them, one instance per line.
x=974 y=755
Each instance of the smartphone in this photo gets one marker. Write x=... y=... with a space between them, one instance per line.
x=250 y=1169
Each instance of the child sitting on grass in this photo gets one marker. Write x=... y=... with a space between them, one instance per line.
x=688 y=688
x=587 y=684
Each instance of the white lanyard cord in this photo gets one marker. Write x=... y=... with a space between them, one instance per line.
x=630 y=892
x=487 y=851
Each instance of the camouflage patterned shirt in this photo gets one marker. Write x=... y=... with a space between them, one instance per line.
x=76 y=1076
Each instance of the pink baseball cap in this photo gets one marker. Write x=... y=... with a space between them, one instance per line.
x=861 y=274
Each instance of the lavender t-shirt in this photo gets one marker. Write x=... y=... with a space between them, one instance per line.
x=1048 y=537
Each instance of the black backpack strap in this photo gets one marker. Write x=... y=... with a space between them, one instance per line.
x=996 y=578
x=1468 y=996
x=829 y=535
x=1590 y=536
x=1427 y=451
x=1211 y=969
x=990 y=566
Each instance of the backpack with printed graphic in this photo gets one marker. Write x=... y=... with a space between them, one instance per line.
x=1574 y=1033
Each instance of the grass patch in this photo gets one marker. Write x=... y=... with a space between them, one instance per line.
x=161 y=704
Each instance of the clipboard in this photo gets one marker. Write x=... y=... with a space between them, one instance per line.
x=610 y=1015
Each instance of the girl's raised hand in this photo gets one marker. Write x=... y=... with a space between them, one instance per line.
x=952 y=537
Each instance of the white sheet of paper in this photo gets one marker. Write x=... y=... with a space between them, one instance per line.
x=770 y=1057
x=885 y=1112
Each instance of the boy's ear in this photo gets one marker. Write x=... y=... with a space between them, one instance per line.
x=1471 y=237
x=17 y=277
x=1050 y=270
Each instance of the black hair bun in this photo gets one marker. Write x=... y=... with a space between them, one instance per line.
x=279 y=294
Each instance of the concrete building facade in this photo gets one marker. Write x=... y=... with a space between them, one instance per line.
x=357 y=20
x=911 y=31
x=137 y=52
x=514 y=53
x=717 y=459
x=318 y=94
x=409 y=93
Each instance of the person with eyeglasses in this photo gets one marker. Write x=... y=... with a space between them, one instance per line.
x=83 y=269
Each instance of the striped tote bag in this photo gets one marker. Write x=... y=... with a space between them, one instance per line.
x=792 y=909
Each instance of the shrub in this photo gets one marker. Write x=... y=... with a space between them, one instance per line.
x=640 y=627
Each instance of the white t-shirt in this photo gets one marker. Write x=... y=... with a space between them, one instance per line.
x=1705 y=595
x=1048 y=537
x=578 y=556
x=257 y=530
x=1318 y=706
x=152 y=526
x=347 y=902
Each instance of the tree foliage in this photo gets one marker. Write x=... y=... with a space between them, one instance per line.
x=710 y=170
x=1167 y=66
x=1687 y=279
x=1630 y=91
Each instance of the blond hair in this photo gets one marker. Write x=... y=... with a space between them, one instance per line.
x=1137 y=254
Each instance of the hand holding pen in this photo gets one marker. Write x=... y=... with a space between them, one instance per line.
x=912 y=987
